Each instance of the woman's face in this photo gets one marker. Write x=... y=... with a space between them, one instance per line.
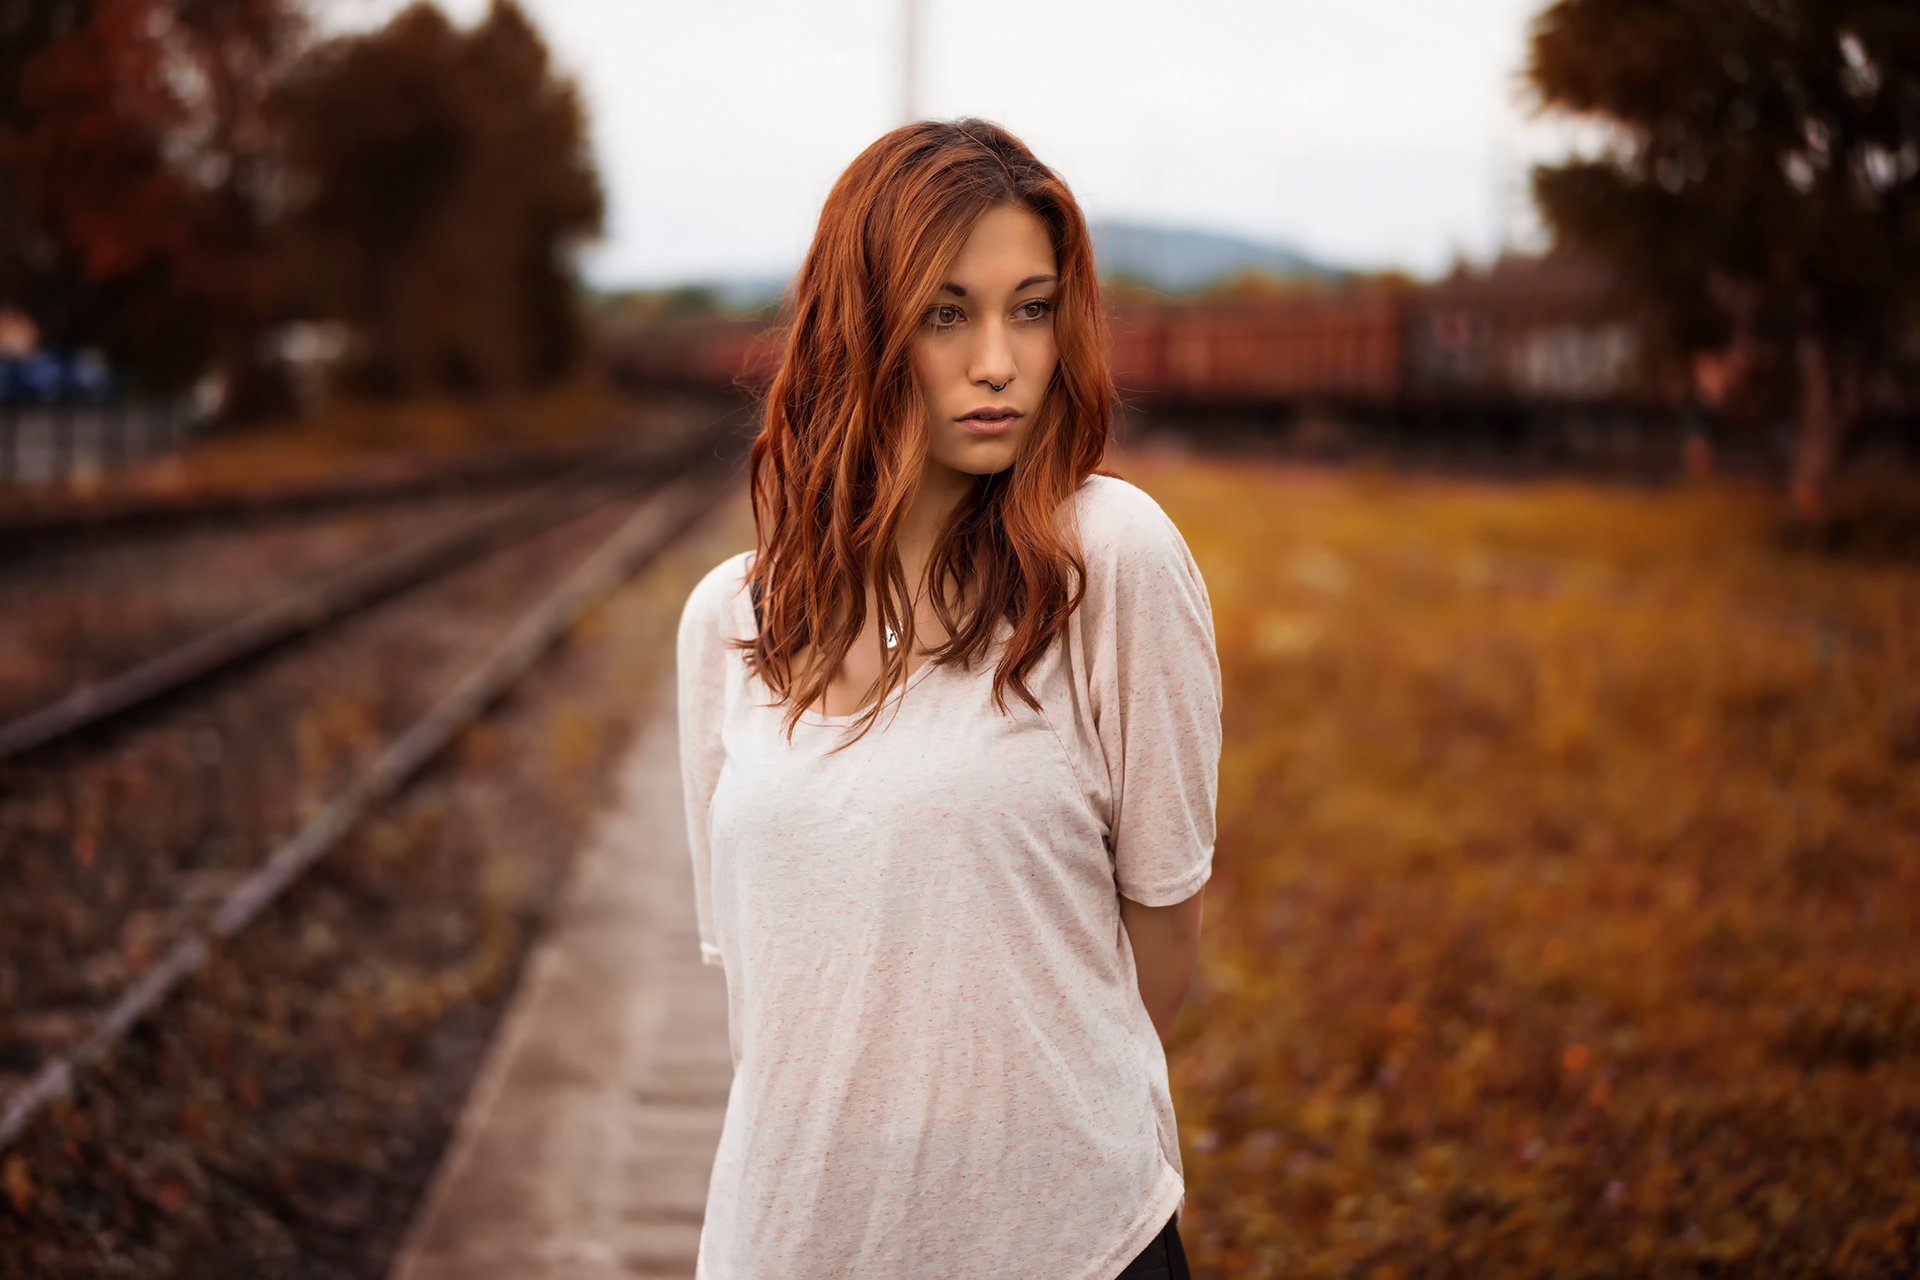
x=990 y=324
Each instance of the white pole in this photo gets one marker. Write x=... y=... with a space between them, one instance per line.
x=910 y=62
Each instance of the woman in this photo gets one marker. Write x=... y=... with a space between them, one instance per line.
x=952 y=941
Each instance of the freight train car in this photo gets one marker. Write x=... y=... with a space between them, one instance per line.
x=1540 y=355
x=1521 y=330
x=1343 y=348
x=1531 y=355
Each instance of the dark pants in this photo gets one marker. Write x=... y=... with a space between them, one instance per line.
x=1162 y=1259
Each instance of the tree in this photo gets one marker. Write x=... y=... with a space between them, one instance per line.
x=136 y=179
x=1759 y=182
x=441 y=179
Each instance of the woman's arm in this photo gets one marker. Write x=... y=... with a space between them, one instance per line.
x=1166 y=940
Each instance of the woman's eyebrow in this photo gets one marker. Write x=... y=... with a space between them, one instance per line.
x=959 y=291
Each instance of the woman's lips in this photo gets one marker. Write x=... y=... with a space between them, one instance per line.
x=990 y=426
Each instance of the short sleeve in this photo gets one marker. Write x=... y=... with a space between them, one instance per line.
x=1154 y=685
x=701 y=663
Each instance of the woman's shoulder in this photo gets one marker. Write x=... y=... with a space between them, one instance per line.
x=715 y=598
x=1120 y=521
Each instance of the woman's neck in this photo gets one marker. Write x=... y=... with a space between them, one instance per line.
x=941 y=490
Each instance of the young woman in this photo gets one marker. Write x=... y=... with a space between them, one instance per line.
x=953 y=939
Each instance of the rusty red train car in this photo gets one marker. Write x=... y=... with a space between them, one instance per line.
x=1337 y=346
x=1543 y=332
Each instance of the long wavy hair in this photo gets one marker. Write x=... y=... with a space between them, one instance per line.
x=843 y=433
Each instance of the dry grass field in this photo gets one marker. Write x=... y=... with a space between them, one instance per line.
x=1565 y=918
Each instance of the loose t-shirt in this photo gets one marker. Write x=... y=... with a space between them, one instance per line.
x=942 y=1064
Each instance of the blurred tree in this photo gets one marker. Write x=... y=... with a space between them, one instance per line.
x=375 y=147
x=440 y=179
x=1759 y=182
x=137 y=182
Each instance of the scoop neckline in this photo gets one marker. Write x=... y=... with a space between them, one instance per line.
x=852 y=717
x=1002 y=630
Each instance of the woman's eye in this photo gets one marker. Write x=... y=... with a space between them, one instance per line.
x=947 y=316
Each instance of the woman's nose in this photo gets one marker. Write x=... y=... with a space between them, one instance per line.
x=993 y=361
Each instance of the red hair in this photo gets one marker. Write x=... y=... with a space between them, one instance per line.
x=843 y=434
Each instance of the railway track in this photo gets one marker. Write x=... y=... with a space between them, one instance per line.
x=81 y=614
x=454 y=542
x=100 y=594
x=114 y=919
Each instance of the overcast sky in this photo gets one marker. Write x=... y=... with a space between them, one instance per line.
x=1370 y=133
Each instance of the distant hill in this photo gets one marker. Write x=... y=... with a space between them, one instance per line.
x=1180 y=259
x=1174 y=259
x=749 y=293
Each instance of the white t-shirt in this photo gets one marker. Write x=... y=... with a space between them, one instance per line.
x=942 y=1064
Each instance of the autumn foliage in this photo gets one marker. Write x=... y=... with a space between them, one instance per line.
x=135 y=177
x=179 y=178
x=444 y=175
